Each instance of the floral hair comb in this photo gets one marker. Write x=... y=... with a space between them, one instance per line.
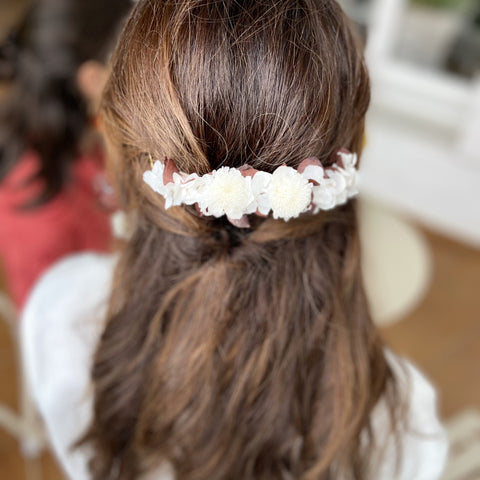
x=238 y=192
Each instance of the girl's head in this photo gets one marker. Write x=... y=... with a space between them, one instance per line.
x=53 y=59
x=210 y=84
x=235 y=353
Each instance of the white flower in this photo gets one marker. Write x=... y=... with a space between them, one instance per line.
x=324 y=196
x=334 y=190
x=154 y=177
x=286 y=192
x=314 y=172
x=173 y=192
x=226 y=192
x=289 y=193
x=349 y=172
x=260 y=183
x=192 y=187
x=349 y=160
x=331 y=191
x=338 y=181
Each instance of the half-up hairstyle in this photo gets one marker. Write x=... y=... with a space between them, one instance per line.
x=235 y=354
x=45 y=111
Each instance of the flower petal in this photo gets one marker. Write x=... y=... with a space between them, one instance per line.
x=314 y=172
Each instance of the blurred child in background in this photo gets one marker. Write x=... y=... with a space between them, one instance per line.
x=51 y=161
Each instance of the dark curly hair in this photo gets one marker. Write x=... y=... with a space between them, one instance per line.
x=45 y=111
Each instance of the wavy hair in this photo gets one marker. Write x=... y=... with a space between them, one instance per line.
x=45 y=111
x=236 y=353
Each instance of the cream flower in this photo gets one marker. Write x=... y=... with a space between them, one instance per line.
x=226 y=192
x=289 y=193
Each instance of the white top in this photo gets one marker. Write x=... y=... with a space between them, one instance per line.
x=62 y=322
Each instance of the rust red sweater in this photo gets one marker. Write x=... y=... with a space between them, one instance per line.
x=31 y=240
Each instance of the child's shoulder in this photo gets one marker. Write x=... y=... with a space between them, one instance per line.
x=71 y=291
x=63 y=318
x=77 y=276
x=60 y=327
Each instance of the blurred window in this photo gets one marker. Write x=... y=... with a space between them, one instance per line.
x=441 y=35
x=360 y=12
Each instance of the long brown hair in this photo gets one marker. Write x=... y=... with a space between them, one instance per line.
x=236 y=353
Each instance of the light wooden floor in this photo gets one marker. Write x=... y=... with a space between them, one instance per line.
x=12 y=465
x=442 y=336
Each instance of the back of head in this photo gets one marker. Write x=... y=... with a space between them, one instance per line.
x=45 y=112
x=235 y=353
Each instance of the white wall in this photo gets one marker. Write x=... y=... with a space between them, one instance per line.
x=423 y=135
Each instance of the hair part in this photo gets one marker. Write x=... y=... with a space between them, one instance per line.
x=236 y=353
